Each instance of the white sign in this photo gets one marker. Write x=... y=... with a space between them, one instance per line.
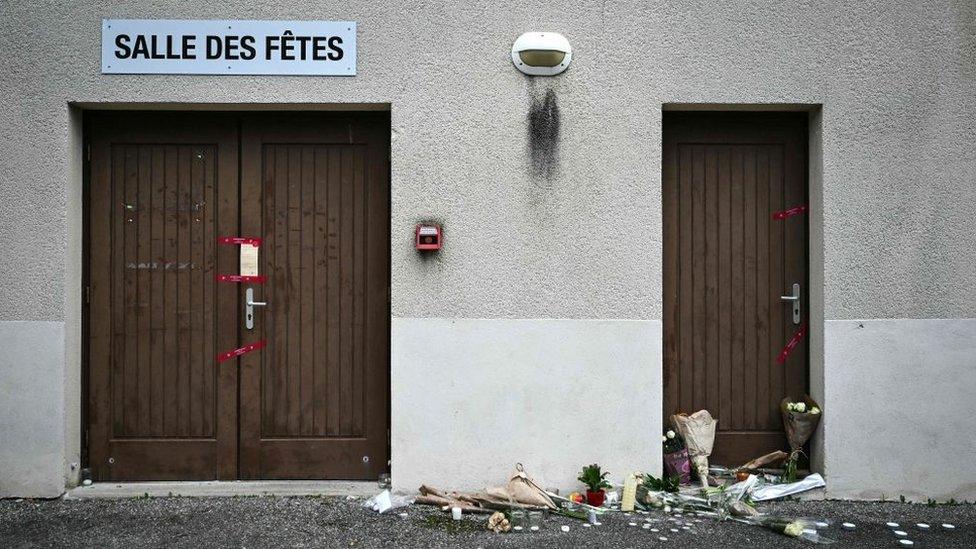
x=163 y=46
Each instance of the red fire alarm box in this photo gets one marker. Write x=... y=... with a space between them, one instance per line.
x=429 y=237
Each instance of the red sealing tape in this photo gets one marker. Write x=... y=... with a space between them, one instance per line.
x=794 y=341
x=239 y=240
x=790 y=212
x=256 y=279
x=243 y=350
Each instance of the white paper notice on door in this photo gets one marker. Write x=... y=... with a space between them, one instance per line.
x=249 y=260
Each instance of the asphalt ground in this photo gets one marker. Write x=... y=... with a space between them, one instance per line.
x=339 y=522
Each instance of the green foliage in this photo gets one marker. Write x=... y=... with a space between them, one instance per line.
x=665 y=484
x=593 y=478
x=790 y=474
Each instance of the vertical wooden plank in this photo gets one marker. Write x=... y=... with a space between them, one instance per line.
x=190 y=270
x=321 y=290
x=181 y=325
x=268 y=258
x=699 y=298
x=279 y=368
x=121 y=303
x=157 y=340
x=307 y=289
x=711 y=322
x=671 y=272
x=751 y=283
x=171 y=356
x=130 y=236
x=334 y=312
x=142 y=216
x=724 y=286
x=738 y=331
x=208 y=235
x=764 y=292
x=686 y=328
x=779 y=311
x=294 y=287
x=345 y=288
x=358 y=404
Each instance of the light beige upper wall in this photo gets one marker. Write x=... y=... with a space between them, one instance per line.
x=896 y=79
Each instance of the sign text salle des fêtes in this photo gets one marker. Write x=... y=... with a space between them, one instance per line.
x=167 y=46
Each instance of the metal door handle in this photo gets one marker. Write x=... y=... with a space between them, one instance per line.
x=249 y=305
x=795 y=299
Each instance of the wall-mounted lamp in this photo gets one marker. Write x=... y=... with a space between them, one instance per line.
x=541 y=53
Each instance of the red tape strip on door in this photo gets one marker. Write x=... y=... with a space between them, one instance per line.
x=257 y=279
x=794 y=341
x=243 y=350
x=790 y=212
x=239 y=240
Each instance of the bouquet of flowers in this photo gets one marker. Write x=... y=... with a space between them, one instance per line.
x=698 y=432
x=676 y=462
x=801 y=528
x=800 y=420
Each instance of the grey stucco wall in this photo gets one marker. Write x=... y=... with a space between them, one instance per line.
x=580 y=238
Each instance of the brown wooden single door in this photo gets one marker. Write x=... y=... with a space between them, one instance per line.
x=314 y=401
x=163 y=186
x=727 y=263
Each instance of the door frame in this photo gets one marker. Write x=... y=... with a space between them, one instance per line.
x=815 y=381
x=83 y=116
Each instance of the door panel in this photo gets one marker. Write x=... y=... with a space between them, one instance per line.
x=314 y=400
x=726 y=264
x=163 y=186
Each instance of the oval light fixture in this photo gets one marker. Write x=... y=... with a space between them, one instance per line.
x=541 y=53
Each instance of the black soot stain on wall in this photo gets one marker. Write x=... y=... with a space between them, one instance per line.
x=544 y=135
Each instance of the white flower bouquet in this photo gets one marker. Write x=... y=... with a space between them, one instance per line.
x=698 y=432
x=800 y=420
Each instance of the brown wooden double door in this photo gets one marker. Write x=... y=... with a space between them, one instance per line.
x=313 y=402
x=727 y=264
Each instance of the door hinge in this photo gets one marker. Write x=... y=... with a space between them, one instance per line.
x=87 y=294
x=88 y=153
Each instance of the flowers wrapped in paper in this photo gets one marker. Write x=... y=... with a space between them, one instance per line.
x=800 y=420
x=676 y=461
x=698 y=432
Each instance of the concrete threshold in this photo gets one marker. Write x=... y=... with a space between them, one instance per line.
x=122 y=490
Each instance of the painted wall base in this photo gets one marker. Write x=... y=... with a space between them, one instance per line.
x=898 y=412
x=472 y=397
x=31 y=409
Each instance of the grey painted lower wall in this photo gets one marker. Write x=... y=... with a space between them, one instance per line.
x=31 y=409
x=471 y=397
x=898 y=414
